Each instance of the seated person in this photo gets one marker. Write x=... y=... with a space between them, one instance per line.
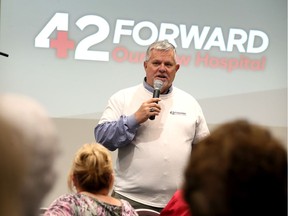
x=29 y=146
x=92 y=176
x=240 y=169
x=177 y=206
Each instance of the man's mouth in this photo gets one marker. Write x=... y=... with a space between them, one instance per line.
x=161 y=77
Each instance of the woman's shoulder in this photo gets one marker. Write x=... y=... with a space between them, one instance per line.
x=66 y=197
x=63 y=205
x=127 y=209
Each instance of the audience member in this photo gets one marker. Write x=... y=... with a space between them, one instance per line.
x=177 y=206
x=92 y=176
x=240 y=169
x=29 y=145
x=152 y=154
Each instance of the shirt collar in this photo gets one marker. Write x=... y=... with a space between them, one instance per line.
x=151 y=89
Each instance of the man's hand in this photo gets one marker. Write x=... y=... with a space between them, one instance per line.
x=147 y=109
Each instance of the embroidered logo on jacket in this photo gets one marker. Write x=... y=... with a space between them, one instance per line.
x=177 y=113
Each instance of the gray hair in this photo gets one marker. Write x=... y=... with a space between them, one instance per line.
x=29 y=135
x=162 y=46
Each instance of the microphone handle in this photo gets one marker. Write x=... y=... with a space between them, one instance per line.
x=156 y=94
x=4 y=54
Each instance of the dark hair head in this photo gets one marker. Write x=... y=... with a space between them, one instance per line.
x=240 y=169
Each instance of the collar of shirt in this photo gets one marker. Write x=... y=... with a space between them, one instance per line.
x=151 y=89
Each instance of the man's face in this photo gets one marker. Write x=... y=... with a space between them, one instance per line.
x=161 y=66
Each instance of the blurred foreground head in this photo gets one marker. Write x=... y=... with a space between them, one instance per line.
x=28 y=146
x=240 y=169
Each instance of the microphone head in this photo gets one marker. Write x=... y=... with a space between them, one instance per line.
x=158 y=84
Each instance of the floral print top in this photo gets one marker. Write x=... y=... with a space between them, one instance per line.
x=83 y=205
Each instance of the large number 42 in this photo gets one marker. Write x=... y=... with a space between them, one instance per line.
x=60 y=22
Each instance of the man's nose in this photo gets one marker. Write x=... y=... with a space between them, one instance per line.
x=162 y=67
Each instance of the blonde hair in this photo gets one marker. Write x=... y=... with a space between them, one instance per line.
x=91 y=169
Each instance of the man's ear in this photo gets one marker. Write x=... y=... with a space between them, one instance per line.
x=177 y=67
x=145 y=65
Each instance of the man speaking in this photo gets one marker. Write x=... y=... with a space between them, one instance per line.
x=152 y=154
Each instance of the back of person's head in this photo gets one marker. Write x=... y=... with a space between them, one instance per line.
x=92 y=169
x=29 y=138
x=240 y=169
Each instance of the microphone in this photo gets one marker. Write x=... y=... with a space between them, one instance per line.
x=4 y=54
x=156 y=93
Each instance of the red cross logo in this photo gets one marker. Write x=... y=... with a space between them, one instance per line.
x=62 y=44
